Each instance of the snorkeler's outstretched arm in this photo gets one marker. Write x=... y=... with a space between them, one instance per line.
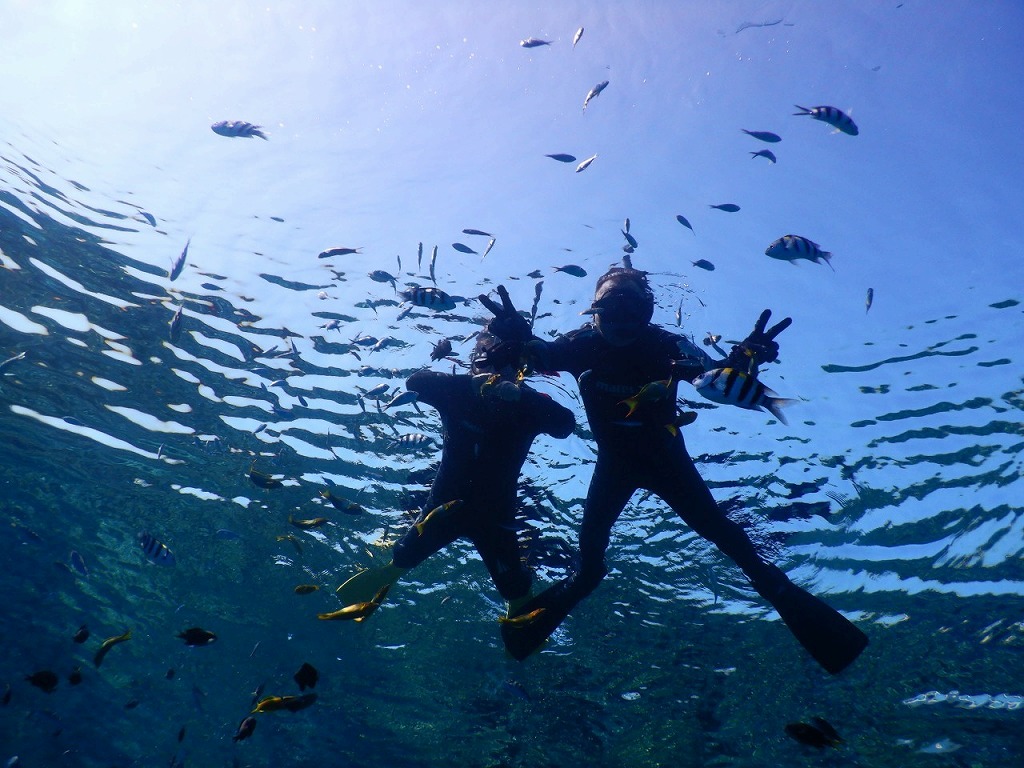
x=517 y=339
x=760 y=346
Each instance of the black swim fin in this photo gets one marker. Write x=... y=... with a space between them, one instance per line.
x=527 y=634
x=828 y=636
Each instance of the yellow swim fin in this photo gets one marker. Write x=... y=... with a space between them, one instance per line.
x=365 y=585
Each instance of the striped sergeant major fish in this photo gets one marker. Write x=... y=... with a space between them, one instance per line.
x=731 y=387
x=834 y=117
x=793 y=247
x=430 y=298
x=156 y=551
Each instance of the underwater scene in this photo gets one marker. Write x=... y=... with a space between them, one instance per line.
x=231 y=232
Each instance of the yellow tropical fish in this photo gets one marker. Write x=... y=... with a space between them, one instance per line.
x=437 y=513
x=523 y=620
x=305 y=589
x=109 y=643
x=357 y=611
x=315 y=522
x=651 y=391
x=340 y=502
x=274 y=703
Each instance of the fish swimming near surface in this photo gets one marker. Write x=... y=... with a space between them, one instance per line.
x=478 y=232
x=490 y=244
x=462 y=248
x=732 y=387
x=767 y=153
x=383 y=276
x=682 y=220
x=357 y=612
x=869 y=300
x=650 y=392
x=245 y=729
x=727 y=207
x=572 y=269
x=341 y=503
x=834 y=117
x=109 y=643
x=413 y=440
x=174 y=324
x=419 y=257
x=768 y=136
x=306 y=525
x=793 y=247
x=437 y=513
x=238 y=129
x=704 y=264
x=429 y=298
x=197 y=637
x=262 y=479
x=338 y=252
x=577 y=36
x=402 y=398
x=291 y=703
x=523 y=620
x=594 y=93
x=586 y=163
x=155 y=550
x=441 y=349
x=293 y=539
x=433 y=261
x=81 y=635
x=562 y=158
x=306 y=589
x=533 y=42
x=306 y=677
x=179 y=263
x=630 y=239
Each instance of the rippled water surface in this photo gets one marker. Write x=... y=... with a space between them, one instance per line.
x=894 y=492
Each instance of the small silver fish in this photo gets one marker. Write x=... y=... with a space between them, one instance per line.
x=586 y=163
x=577 y=36
x=767 y=153
x=630 y=239
x=462 y=248
x=793 y=247
x=179 y=263
x=731 y=387
x=14 y=359
x=238 y=128
x=433 y=260
x=490 y=244
x=768 y=136
x=419 y=257
x=156 y=551
x=479 y=232
x=834 y=117
x=402 y=398
x=533 y=42
x=594 y=92
x=382 y=276
x=562 y=158
x=869 y=300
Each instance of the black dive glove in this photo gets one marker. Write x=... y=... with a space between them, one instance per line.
x=508 y=324
x=760 y=346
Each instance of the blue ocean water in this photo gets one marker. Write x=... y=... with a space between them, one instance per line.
x=893 y=492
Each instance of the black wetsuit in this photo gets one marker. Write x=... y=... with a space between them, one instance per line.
x=486 y=441
x=641 y=450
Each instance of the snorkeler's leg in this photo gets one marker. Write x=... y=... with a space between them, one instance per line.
x=828 y=636
x=541 y=616
x=409 y=551
x=498 y=547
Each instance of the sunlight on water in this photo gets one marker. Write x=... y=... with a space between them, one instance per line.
x=892 y=492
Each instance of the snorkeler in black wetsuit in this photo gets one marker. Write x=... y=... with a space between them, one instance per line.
x=489 y=423
x=627 y=370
